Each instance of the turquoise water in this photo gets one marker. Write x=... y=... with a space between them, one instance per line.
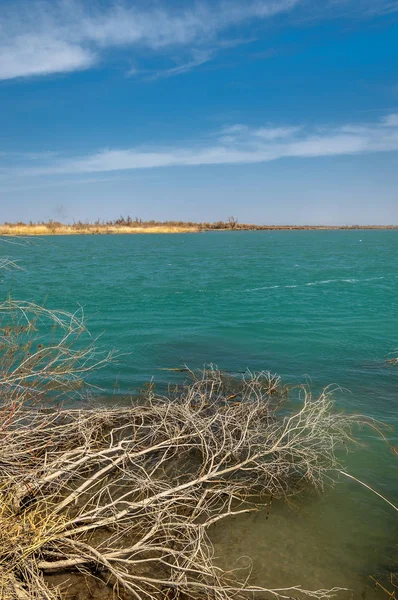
x=316 y=306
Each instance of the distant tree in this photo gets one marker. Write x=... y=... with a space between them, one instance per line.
x=232 y=222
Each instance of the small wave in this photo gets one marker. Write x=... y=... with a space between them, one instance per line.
x=321 y=282
x=269 y=287
x=353 y=280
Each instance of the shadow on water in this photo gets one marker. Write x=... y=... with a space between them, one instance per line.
x=315 y=542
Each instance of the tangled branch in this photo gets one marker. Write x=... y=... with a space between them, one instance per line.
x=43 y=353
x=134 y=492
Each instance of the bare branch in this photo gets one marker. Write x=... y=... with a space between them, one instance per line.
x=134 y=492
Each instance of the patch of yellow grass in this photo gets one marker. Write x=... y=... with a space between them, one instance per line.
x=22 y=534
x=28 y=230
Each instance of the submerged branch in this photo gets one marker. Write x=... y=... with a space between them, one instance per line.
x=133 y=492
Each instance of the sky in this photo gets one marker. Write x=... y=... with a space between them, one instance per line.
x=273 y=111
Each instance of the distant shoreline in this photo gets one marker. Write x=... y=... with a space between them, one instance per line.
x=139 y=227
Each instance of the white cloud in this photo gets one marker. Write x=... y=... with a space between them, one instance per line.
x=391 y=120
x=160 y=27
x=30 y=55
x=235 y=134
x=243 y=145
x=274 y=133
x=40 y=37
x=235 y=129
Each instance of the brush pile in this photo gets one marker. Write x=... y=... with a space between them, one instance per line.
x=130 y=494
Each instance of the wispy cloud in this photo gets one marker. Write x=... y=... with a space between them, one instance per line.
x=240 y=133
x=390 y=120
x=40 y=37
x=383 y=7
x=354 y=9
x=29 y=55
x=195 y=58
x=43 y=37
x=237 y=144
x=199 y=57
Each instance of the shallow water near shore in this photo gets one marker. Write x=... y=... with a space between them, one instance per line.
x=315 y=306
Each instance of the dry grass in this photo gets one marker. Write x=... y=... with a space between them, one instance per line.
x=128 y=226
x=31 y=230
x=43 y=354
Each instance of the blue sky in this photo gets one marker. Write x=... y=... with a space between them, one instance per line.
x=275 y=111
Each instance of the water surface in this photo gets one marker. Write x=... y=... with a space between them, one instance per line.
x=316 y=306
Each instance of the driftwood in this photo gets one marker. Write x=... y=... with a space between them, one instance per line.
x=131 y=494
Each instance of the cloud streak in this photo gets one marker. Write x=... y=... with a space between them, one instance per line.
x=199 y=57
x=41 y=37
x=237 y=144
